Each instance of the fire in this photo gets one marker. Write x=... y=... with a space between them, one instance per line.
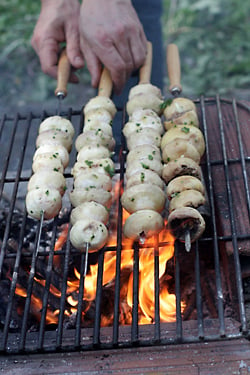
x=146 y=298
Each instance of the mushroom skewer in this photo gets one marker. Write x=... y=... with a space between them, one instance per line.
x=174 y=73
x=143 y=197
x=91 y=195
x=181 y=124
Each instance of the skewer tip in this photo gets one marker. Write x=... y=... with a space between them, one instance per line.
x=86 y=258
x=187 y=241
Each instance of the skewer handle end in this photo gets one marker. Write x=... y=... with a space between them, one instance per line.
x=174 y=69
x=145 y=70
x=105 y=85
x=63 y=75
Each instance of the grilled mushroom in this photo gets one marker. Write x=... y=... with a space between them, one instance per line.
x=180 y=167
x=98 y=126
x=187 y=118
x=178 y=107
x=104 y=165
x=143 y=197
x=88 y=180
x=144 y=101
x=90 y=231
x=57 y=123
x=47 y=179
x=78 y=196
x=98 y=115
x=144 y=136
x=48 y=161
x=54 y=137
x=190 y=133
x=56 y=150
x=143 y=176
x=143 y=223
x=180 y=148
x=181 y=183
x=100 y=102
x=89 y=210
x=187 y=198
x=95 y=138
x=93 y=152
x=186 y=219
x=44 y=200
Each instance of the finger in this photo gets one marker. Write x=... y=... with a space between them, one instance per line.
x=138 y=47
x=117 y=67
x=48 y=54
x=73 y=47
x=93 y=63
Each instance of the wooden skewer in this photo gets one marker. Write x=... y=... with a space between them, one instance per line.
x=105 y=84
x=86 y=259
x=63 y=75
x=146 y=68
x=174 y=69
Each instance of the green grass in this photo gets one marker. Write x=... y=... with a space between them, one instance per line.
x=213 y=37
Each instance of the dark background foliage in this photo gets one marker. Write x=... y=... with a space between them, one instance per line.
x=213 y=37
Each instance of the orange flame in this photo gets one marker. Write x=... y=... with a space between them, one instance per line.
x=147 y=254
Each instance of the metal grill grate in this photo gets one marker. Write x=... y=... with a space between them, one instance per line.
x=226 y=162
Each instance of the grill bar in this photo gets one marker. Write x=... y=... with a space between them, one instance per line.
x=157 y=291
x=215 y=241
x=200 y=322
x=135 y=330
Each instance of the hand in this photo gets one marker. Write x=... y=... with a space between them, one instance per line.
x=57 y=23
x=111 y=34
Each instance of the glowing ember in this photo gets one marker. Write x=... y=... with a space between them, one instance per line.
x=146 y=282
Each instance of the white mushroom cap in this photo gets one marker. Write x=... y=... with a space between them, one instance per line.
x=93 y=152
x=48 y=161
x=94 y=138
x=183 y=219
x=143 y=197
x=57 y=123
x=56 y=151
x=89 y=210
x=78 y=196
x=100 y=102
x=88 y=231
x=54 y=137
x=43 y=199
x=143 y=223
x=47 y=179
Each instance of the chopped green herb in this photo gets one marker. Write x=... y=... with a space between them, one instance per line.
x=89 y=163
x=166 y=103
x=56 y=169
x=176 y=194
x=185 y=129
x=47 y=192
x=144 y=166
x=109 y=170
x=142 y=176
x=150 y=157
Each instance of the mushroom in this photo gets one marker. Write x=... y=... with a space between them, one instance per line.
x=186 y=219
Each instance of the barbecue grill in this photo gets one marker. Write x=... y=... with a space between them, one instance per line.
x=215 y=308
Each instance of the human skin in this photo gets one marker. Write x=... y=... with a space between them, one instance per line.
x=97 y=32
x=57 y=23
x=111 y=35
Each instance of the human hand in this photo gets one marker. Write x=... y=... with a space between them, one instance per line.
x=57 y=23
x=111 y=34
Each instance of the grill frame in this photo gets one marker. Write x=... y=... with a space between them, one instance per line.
x=24 y=341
